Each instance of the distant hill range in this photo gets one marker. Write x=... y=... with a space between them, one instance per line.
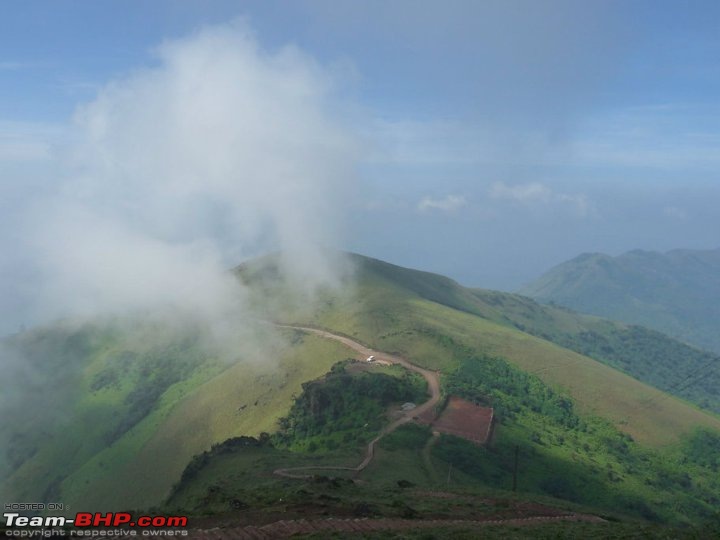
x=677 y=292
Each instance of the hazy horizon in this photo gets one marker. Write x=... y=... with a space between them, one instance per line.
x=484 y=141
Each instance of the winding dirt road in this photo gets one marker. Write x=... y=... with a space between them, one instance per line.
x=430 y=376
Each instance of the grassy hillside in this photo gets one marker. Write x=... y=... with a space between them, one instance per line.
x=137 y=401
x=677 y=292
x=434 y=321
x=566 y=459
x=628 y=446
x=137 y=406
x=232 y=490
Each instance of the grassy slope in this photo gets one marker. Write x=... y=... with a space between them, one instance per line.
x=644 y=354
x=642 y=411
x=591 y=464
x=242 y=475
x=244 y=399
x=410 y=312
x=426 y=317
x=211 y=402
x=594 y=481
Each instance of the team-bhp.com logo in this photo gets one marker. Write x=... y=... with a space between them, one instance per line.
x=87 y=524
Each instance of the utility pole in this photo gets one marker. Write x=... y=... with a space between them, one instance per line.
x=515 y=467
x=448 y=478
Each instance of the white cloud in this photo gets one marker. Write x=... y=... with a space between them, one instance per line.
x=176 y=173
x=450 y=203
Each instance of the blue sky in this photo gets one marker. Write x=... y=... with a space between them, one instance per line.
x=498 y=138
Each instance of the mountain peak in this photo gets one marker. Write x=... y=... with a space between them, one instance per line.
x=677 y=292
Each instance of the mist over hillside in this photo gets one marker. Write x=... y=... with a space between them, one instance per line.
x=197 y=200
x=677 y=292
x=221 y=149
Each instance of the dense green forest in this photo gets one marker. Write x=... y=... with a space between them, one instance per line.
x=345 y=408
x=576 y=457
x=494 y=382
x=652 y=357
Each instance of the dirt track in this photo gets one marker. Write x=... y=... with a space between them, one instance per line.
x=345 y=526
x=433 y=385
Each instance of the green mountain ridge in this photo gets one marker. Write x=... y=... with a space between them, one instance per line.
x=142 y=407
x=660 y=360
x=677 y=293
x=553 y=404
x=387 y=314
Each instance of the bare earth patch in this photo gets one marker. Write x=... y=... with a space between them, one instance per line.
x=462 y=419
